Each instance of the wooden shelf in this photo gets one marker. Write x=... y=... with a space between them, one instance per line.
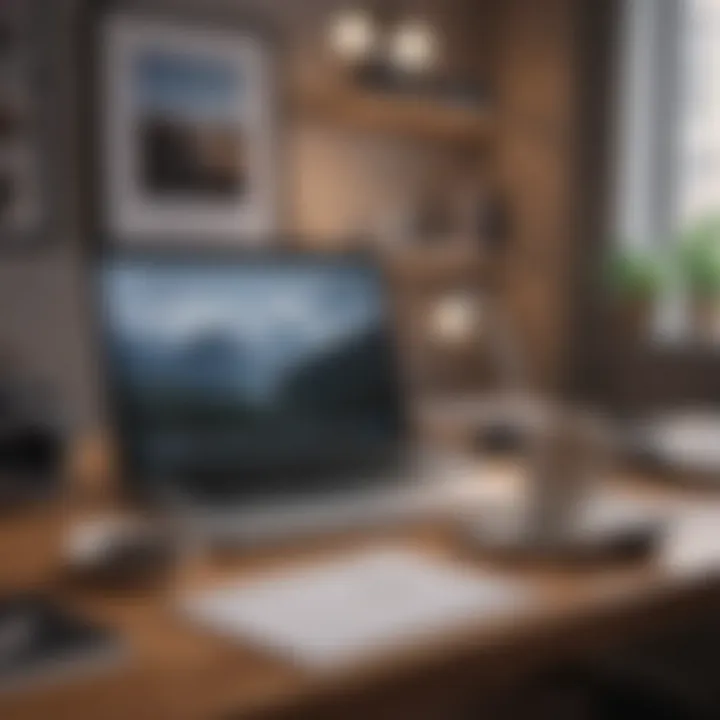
x=409 y=117
x=435 y=267
x=423 y=268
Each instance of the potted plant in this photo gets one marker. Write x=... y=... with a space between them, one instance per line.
x=699 y=264
x=635 y=279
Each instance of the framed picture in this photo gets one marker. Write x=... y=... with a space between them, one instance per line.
x=188 y=115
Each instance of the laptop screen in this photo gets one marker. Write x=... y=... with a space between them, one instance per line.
x=252 y=375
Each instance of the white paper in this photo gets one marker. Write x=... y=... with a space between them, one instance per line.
x=693 y=542
x=332 y=613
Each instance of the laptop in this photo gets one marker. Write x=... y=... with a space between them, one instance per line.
x=258 y=393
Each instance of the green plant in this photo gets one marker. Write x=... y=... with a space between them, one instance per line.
x=634 y=275
x=699 y=258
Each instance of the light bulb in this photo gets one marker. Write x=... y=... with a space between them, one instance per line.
x=455 y=318
x=352 y=35
x=414 y=47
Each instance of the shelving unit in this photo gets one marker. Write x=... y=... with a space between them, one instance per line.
x=410 y=117
x=435 y=267
x=423 y=274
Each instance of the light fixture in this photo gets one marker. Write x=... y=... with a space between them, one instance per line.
x=456 y=318
x=353 y=35
x=379 y=37
x=413 y=47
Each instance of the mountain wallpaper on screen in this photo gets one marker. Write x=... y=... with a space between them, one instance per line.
x=229 y=366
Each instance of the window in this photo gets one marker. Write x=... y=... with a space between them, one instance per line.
x=699 y=110
x=669 y=139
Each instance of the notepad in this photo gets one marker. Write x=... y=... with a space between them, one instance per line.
x=693 y=543
x=329 y=614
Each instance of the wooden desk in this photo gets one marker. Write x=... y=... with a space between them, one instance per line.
x=174 y=670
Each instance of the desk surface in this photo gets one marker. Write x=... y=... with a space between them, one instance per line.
x=175 y=670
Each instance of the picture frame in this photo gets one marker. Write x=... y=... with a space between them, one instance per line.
x=188 y=132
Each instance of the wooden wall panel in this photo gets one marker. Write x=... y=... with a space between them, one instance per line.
x=535 y=157
x=550 y=55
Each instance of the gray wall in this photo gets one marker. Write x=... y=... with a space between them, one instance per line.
x=338 y=182
x=42 y=328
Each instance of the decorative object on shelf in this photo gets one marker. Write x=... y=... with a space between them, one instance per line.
x=25 y=155
x=431 y=217
x=699 y=262
x=456 y=206
x=414 y=47
x=481 y=206
x=364 y=38
x=491 y=222
x=431 y=221
x=390 y=53
x=452 y=356
x=189 y=132
x=456 y=318
x=352 y=35
x=635 y=281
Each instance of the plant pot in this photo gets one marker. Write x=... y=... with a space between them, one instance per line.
x=705 y=318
